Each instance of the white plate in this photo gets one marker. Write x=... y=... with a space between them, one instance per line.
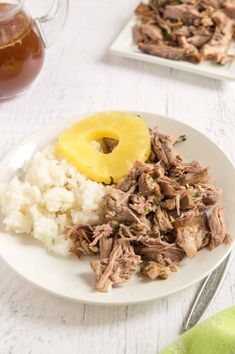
x=124 y=46
x=73 y=279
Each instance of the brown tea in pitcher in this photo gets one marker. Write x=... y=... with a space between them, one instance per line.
x=21 y=51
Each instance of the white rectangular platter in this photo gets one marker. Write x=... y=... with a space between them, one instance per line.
x=125 y=47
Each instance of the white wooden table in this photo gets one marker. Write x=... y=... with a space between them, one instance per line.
x=80 y=75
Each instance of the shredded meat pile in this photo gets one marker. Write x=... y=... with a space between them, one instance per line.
x=191 y=30
x=163 y=211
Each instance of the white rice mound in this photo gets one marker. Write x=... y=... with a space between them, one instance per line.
x=48 y=195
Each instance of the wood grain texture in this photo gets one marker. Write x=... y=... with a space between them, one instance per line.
x=80 y=76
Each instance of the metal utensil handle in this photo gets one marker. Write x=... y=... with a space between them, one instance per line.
x=207 y=293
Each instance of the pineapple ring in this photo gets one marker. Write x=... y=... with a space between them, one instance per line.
x=133 y=144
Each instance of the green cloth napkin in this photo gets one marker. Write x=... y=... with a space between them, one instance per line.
x=213 y=336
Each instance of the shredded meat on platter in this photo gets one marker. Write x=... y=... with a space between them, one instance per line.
x=163 y=211
x=188 y=30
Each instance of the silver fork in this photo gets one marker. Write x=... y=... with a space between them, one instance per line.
x=207 y=293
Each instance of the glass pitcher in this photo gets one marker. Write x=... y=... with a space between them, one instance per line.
x=23 y=41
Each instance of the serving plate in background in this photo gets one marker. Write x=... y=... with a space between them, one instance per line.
x=72 y=278
x=125 y=47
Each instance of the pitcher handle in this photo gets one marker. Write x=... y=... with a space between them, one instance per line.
x=50 y=25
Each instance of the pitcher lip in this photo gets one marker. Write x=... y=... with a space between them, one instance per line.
x=12 y=11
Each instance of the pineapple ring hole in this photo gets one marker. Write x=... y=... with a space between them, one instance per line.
x=105 y=145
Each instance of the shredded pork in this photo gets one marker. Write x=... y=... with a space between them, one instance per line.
x=186 y=30
x=163 y=211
